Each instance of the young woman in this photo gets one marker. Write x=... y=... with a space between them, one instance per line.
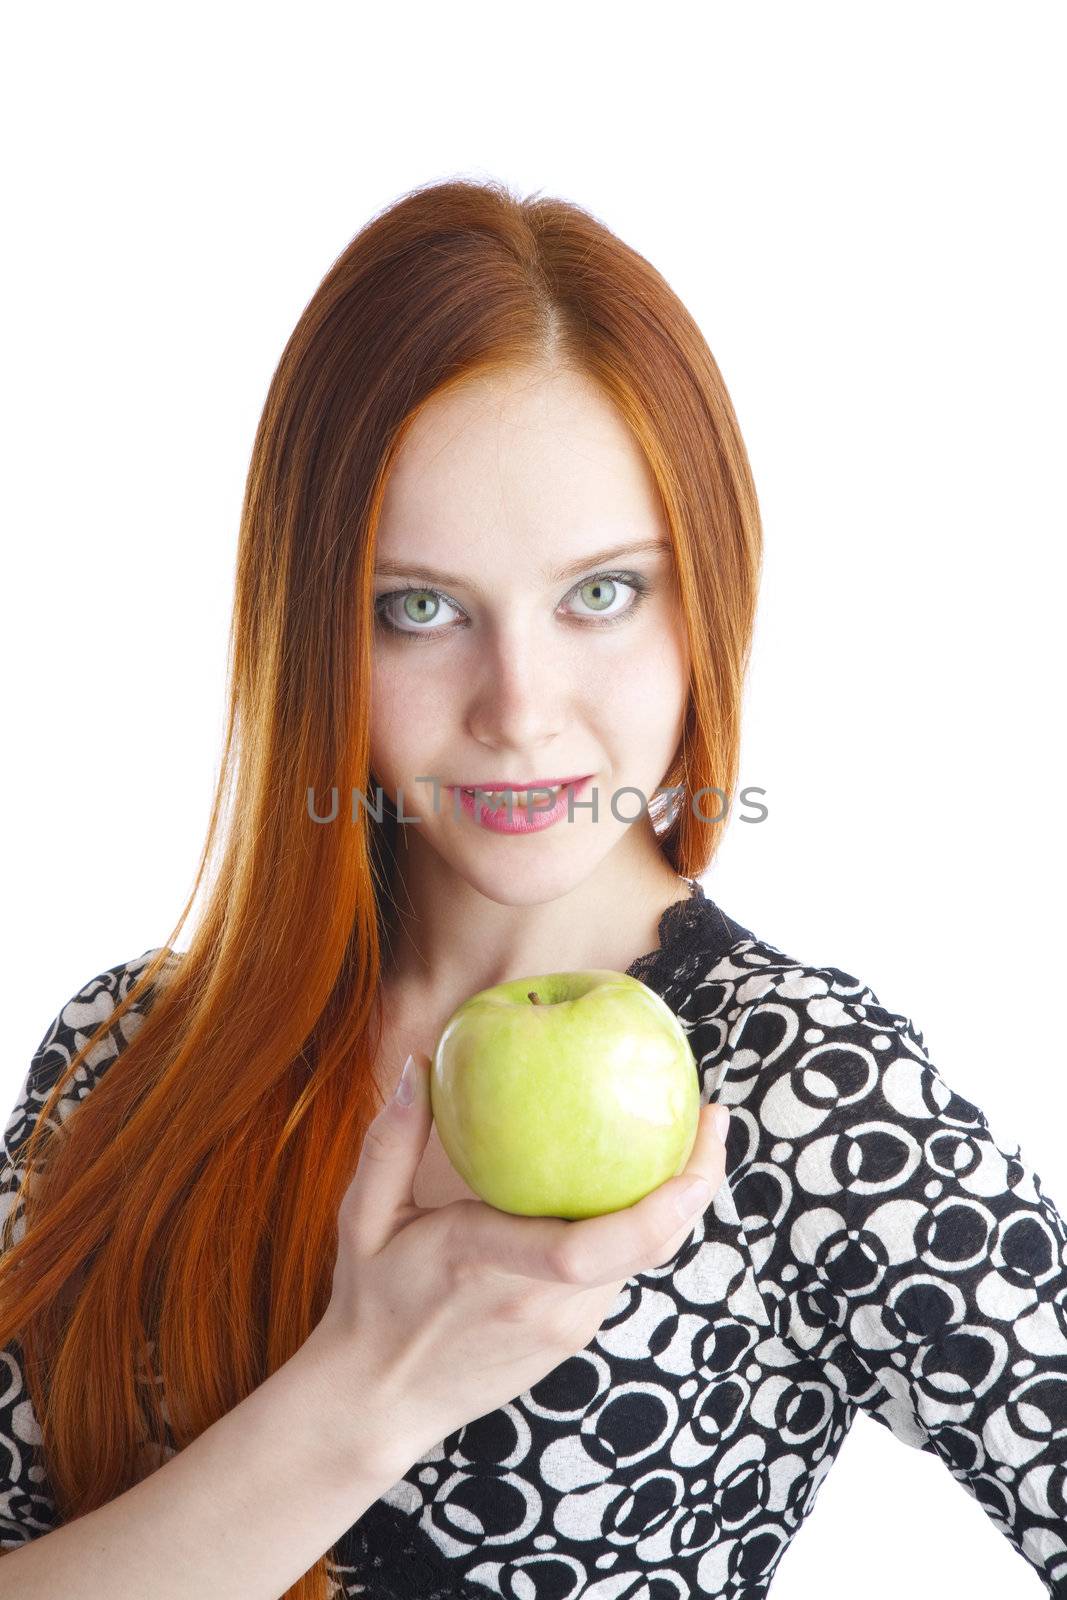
x=500 y=532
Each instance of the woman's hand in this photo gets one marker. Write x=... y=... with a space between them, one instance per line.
x=439 y=1316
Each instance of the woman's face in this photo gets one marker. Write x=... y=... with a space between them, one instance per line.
x=509 y=671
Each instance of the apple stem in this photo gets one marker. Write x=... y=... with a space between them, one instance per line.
x=534 y=998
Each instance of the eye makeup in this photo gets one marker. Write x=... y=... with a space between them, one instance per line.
x=636 y=581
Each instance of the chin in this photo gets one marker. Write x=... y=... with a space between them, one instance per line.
x=507 y=880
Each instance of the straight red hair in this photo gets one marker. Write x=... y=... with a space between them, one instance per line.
x=185 y=1220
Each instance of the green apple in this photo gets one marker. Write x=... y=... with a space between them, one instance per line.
x=569 y=1094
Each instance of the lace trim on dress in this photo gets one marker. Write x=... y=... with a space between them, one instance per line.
x=689 y=928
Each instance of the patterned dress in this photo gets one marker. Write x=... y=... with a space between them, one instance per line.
x=874 y=1247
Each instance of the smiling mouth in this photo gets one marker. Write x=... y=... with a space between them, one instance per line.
x=521 y=788
x=546 y=793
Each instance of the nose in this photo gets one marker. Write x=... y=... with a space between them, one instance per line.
x=518 y=700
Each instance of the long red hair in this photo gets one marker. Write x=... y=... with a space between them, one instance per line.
x=185 y=1222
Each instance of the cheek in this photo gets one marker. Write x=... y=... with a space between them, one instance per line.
x=645 y=691
x=643 y=714
x=409 y=710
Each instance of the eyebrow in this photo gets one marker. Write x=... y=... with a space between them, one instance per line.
x=415 y=570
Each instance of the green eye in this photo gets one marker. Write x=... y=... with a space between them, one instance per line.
x=596 y=587
x=415 y=605
x=423 y=606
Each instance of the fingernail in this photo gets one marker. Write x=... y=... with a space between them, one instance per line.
x=693 y=1197
x=404 y=1093
x=721 y=1118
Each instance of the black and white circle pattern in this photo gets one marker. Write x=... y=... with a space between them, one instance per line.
x=873 y=1248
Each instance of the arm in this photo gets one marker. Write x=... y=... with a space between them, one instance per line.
x=27 y=1502
x=245 y=1509
x=924 y=1265
x=239 y=1514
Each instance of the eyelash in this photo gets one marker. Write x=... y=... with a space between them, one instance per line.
x=633 y=580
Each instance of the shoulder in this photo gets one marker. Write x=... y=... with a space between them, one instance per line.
x=746 y=1001
x=812 y=1061
x=830 y=1085
x=78 y=1018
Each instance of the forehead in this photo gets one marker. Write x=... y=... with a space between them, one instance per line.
x=531 y=450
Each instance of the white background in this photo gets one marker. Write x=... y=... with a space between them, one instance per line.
x=862 y=207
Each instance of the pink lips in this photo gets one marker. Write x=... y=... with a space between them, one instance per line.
x=531 y=783
x=503 y=815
